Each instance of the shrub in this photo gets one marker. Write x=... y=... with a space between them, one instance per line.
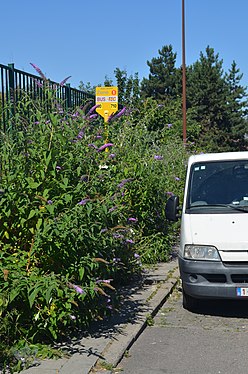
x=78 y=214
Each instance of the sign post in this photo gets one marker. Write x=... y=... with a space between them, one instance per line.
x=107 y=99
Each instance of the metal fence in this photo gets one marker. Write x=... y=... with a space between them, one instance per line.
x=15 y=84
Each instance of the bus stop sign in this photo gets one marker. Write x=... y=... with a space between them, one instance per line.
x=107 y=99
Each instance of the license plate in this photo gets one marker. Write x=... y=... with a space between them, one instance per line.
x=242 y=291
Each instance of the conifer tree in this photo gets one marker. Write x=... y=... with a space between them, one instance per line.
x=237 y=105
x=207 y=90
x=162 y=80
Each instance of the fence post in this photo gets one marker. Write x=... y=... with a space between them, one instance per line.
x=12 y=91
x=68 y=95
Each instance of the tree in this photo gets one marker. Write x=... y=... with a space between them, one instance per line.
x=163 y=78
x=207 y=90
x=218 y=100
x=86 y=87
x=108 y=82
x=128 y=87
x=237 y=105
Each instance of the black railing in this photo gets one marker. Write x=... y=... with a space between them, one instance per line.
x=15 y=84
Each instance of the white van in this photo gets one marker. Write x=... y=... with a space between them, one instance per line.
x=213 y=254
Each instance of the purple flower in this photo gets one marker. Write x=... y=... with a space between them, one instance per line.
x=75 y=115
x=38 y=71
x=92 y=145
x=169 y=125
x=39 y=84
x=64 y=81
x=131 y=219
x=59 y=108
x=130 y=241
x=104 y=146
x=73 y=318
x=78 y=289
x=158 y=157
x=124 y=181
x=49 y=202
x=92 y=109
x=80 y=134
x=93 y=116
x=170 y=193
x=58 y=167
x=177 y=179
x=86 y=106
x=118 y=236
x=136 y=256
x=118 y=115
x=112 y=155
x=83 y=201
x=104 y=281
x=112 y=209
x=103 y=230
x=116 y=259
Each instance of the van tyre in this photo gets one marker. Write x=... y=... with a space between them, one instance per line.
x=189 y=302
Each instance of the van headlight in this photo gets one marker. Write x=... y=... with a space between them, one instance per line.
x=201 y=252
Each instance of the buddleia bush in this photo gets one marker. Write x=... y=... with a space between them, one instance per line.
x=82 y=206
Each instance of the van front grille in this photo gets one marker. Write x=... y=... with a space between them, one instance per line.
x=215 y=278
x=236 y=264
x=239 y=278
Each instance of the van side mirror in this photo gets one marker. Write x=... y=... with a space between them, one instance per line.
x=172 y=208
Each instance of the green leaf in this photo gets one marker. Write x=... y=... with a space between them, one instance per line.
x=6 y=234
x=47 y=158
x=68 y=198
x=32 y=184
x=50 y=208
x=32 y=296
x=7 y=213
x=65 y=181
x=126 y=172
x=49 y=293
x=39 y=223
x=13 y=294
x=81 y=273
x=31 y=214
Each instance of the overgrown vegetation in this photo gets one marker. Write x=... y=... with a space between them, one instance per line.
x=82 y=205
x=77 y=214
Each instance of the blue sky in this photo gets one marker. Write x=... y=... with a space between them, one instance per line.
x=89 y=39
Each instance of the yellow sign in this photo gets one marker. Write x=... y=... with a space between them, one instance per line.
x=107 y=99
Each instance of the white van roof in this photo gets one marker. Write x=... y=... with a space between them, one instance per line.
x=203 y=157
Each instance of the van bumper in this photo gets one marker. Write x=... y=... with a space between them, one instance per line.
x=213 y=280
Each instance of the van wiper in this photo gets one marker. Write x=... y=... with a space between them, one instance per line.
x=234 y=207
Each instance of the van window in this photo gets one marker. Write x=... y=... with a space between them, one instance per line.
x=218 y=182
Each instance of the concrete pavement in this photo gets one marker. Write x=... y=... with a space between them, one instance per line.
x=101 y=349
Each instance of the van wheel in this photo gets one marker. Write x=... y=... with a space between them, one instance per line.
x=189 y=302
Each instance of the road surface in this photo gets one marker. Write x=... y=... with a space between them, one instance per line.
x=213 y=340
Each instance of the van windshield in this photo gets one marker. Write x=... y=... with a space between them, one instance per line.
x=218 y=185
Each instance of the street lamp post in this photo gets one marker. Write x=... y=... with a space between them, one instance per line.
x=184 y=75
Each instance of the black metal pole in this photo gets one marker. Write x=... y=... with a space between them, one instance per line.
x=184 y=75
